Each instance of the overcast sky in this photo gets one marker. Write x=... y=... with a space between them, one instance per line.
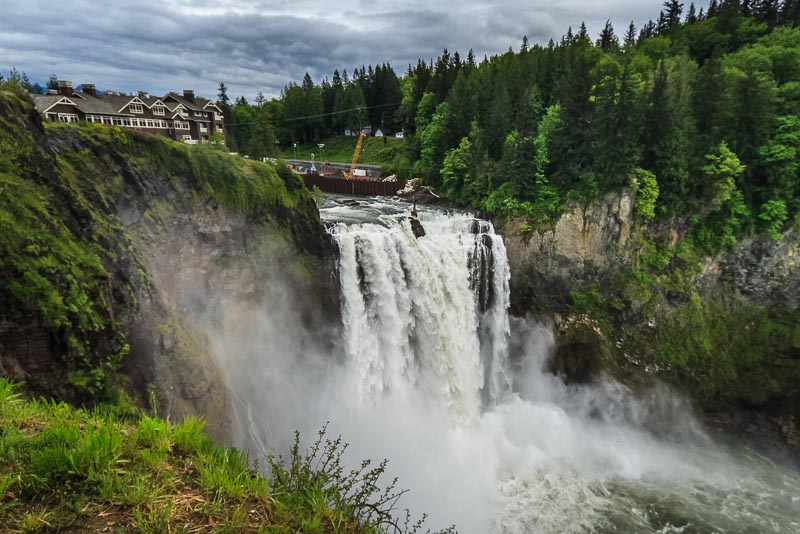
x=170 y=45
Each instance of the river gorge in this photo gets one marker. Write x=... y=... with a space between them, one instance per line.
x=428 y=369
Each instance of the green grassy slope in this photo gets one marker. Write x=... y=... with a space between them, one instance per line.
x=68 y=470
x=339 y=149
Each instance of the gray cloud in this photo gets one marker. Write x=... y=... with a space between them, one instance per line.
x=262 y=45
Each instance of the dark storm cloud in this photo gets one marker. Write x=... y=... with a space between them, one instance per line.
x=175 y=44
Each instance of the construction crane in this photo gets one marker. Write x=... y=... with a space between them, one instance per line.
x=349 y=175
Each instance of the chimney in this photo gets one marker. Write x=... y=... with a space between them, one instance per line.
x=65 y=87
x=88 y=88
x=188 y=94
x=144 y=94
x=52 y=91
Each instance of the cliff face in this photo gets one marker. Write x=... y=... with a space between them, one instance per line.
x=642 y=303
x=164 y=242
x=586 y=245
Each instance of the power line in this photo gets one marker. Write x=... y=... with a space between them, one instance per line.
x=320 y=115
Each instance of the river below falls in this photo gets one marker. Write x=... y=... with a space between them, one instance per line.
x=432 y=373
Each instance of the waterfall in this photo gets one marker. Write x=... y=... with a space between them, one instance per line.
x=429 y=314
x=425 y=368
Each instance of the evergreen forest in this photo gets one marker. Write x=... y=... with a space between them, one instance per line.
x=698 y=110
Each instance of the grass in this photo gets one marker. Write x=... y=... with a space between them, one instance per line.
x=70 y=470
x=340 y=149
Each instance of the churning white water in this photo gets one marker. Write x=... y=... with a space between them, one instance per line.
x=432 y=373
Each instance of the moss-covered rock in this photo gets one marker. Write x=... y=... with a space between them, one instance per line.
x=112 y=242
x=646 y=303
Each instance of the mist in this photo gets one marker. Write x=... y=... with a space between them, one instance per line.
x=401 y=373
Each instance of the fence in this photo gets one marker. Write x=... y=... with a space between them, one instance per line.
x=363 y=186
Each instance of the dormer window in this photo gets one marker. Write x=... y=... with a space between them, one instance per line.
x=199 y=114
x=158 y=110
x=136 y=108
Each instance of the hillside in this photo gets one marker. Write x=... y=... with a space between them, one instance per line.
x=375 y=150
x=85 y=212
x=120 y=254
x=70 y=470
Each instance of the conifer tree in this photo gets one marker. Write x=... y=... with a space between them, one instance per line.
x=223 y=101
x=583 y=33
x=691 y=16
x=672 y=13
x=608 y=40
x=630 y=36
x=470 y=64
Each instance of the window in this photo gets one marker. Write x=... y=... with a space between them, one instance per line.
x=217 y=117
x=181 y=125
x=134 y=123
x=158 y=110
x=127 y=122
x=199 y=114
x=67 y=117
x=118 y=122
x=187 y=137
x=203 y=128
x=107 y=121
x=136 y=108
x=151 y=123
x=52 y=116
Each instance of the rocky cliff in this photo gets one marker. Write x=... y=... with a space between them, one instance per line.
x=120 y=251
x=644 y=303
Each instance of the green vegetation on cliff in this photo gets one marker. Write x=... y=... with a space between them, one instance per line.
x=68 y=470
x=716 y=343
x=69 y=274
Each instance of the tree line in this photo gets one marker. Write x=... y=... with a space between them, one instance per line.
x=308 y=112
x=20 y=79
x=697 y=109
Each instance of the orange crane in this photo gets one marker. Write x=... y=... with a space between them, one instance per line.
x=349 y=175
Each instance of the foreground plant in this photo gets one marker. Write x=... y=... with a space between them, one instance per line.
x=70 y=470
x=320 y=480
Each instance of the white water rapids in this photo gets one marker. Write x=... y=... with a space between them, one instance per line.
x=431 y=373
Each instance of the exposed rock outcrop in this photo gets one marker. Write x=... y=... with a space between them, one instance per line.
x=184 y=251
x=586 y=245
x=724 y=329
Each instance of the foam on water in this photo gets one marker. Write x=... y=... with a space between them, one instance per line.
x=433 y=374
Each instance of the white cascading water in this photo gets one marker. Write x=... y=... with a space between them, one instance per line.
x=426 y=316
x=431 y=373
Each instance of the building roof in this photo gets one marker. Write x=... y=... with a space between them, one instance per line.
x=43 y=102
x=111 y=103
x=105 y=104
x=194 y=106
x=88 y=104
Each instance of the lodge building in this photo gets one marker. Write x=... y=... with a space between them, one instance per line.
x=188 y=118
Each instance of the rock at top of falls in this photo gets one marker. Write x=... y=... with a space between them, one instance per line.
x=416 y=227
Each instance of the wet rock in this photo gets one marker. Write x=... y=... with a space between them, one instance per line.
x=416 y=227
x=414 y=191
x=582 y=354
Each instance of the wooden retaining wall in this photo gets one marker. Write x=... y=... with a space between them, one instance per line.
x=362 y=186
